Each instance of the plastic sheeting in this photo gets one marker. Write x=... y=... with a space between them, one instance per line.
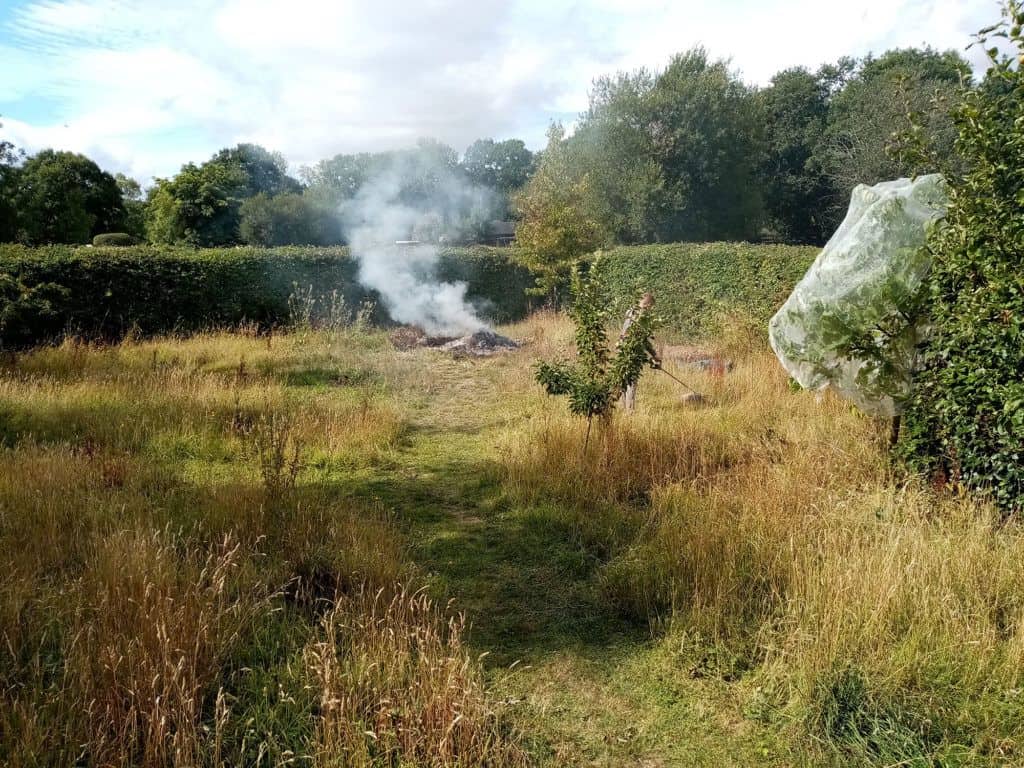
x=846 y=324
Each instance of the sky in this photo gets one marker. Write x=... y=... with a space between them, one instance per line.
x=143 y=87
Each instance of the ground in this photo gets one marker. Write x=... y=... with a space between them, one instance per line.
x=667 y=597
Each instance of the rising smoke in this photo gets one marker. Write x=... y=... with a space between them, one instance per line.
x=410 y=201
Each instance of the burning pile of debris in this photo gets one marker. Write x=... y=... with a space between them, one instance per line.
x=482 y=343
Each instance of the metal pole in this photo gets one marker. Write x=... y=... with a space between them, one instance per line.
x=679 y=381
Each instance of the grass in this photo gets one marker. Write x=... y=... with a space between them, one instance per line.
x=310 y=549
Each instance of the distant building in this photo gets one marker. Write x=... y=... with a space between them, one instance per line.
x=501 y=233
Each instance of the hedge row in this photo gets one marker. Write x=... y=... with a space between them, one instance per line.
x=693 y=283
x=105 y=292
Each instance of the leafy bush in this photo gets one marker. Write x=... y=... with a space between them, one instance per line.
x=596 y=378
x=114 y=239
x=966 y=417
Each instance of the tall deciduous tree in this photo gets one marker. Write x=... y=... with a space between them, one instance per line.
x=674 y=156
x=63 y=197
x=287 y=219
x=877 y=102
x=502 y=166
x=798 y=195
x=9 y=160
x=134 y=206
x=559 y=220
x=196 y=207
x=260 y=170
x=200 y=206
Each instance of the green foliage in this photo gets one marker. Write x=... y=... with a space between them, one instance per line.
x=23 y=307
x=597 y=378
x=504 y=166
x=966 y=416
x=197 y=207
x=876 y=103
x=134 y=206
x=696 y=283
x=673 y=156
x=287 y=219
x=795 y=109
x=114 y=239
x=9 y=173
x=106 y=292
x=260 y=170
x=63 y=197
x=559 y=222
x=200 y=206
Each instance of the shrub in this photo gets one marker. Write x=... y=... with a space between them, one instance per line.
x=114 y=240
x=105 y=293
x=695 y=283
x=966 y=416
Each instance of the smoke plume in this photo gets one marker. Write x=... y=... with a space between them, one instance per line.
x=410 y=201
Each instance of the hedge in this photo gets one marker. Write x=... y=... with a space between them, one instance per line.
x=106 y=292
x=693 y=283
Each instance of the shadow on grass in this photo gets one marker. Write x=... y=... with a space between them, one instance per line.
x=524 y=580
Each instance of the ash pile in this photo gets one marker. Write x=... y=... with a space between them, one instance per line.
x=482 y=343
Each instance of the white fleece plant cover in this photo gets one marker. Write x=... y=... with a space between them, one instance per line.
x=862 y=282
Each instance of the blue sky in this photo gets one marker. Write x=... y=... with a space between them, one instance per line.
x=143 y=87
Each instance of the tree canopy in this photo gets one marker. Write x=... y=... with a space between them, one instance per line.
x=687 y=153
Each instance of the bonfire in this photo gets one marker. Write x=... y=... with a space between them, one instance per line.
x=482 y=343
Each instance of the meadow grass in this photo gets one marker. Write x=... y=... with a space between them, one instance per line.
x=312 y=549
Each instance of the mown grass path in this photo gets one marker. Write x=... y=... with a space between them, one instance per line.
x=587 y=687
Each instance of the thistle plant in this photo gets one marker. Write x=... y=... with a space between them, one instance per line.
x=598 y=376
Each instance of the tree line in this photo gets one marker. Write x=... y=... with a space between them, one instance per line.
x=690 y=153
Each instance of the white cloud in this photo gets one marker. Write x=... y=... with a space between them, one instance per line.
x=148 y=86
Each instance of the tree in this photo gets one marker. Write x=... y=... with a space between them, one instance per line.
x=597 y=378
x=503 y=166
x=341 y=177
x=795 y=111
x=134 y=206
x=10 y=157
x=614 y=146
x=875 y=104
x=559 y=223
x=63 y=197
x=197 y=207
x=965 y=420
x=287 y=219
x=200 y=206
x=674 y=156
x=260 y=170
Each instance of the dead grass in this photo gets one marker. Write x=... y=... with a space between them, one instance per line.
x=886 y=620
x=161 y=504
x=168 y=581
x=150 y=633
x=397 y=686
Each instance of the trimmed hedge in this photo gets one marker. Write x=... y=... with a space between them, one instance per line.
x=694 y=283
x=114 y=239
x=107 y=292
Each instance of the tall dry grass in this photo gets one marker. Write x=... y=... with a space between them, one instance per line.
x=883 y=619
x=397 y=686
x=172 y=530
x=152 y=629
